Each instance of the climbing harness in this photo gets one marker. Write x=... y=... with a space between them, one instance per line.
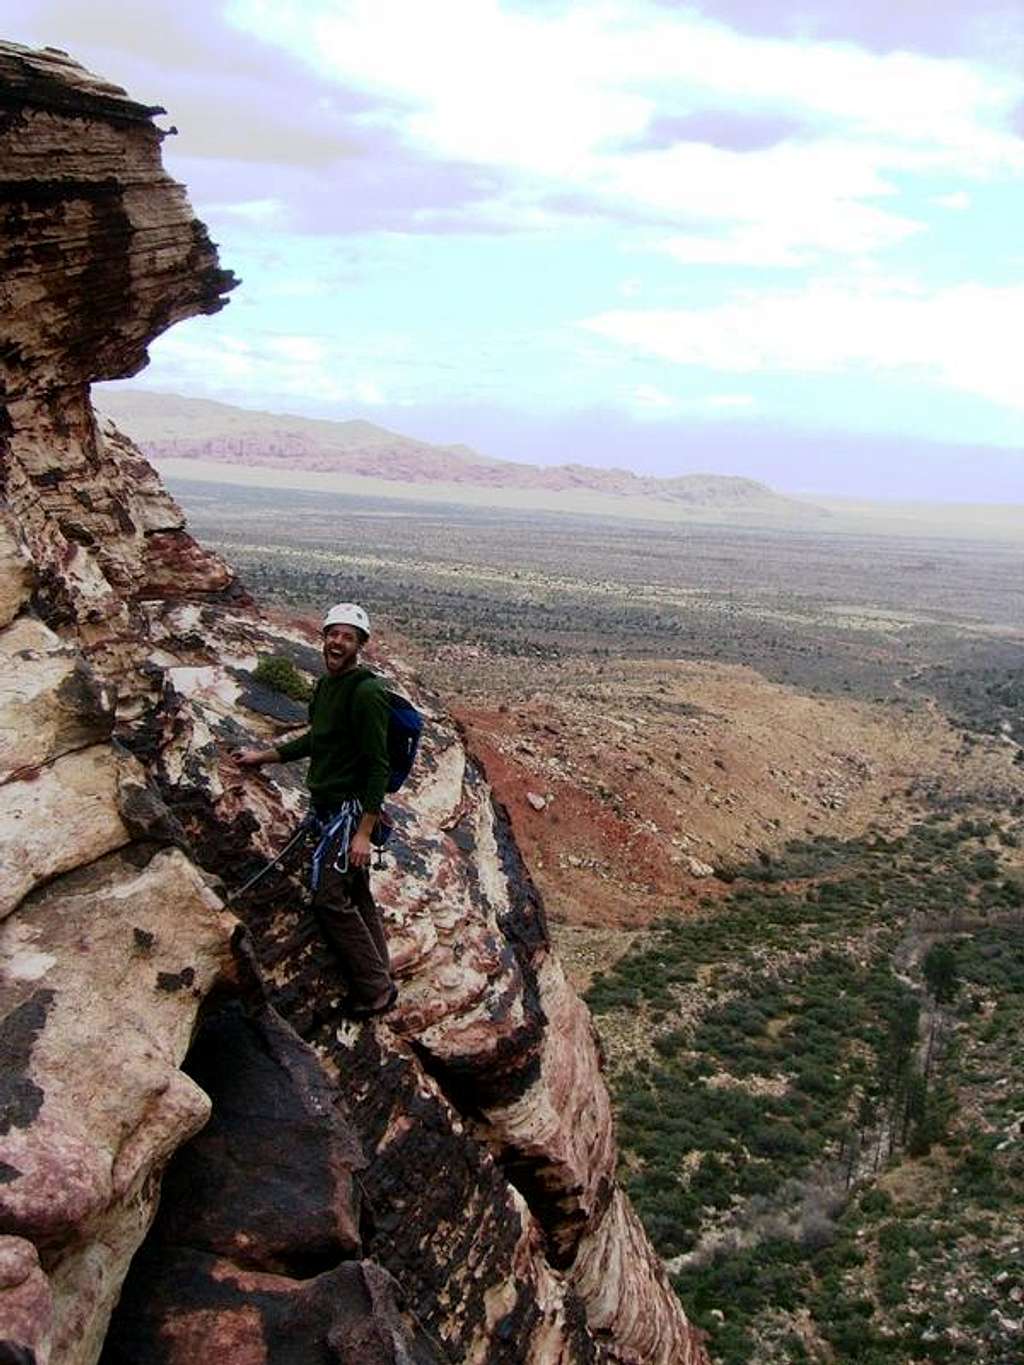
x=343 y=820
x=339 y=824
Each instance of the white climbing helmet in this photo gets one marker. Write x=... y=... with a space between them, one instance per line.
x=348 y=614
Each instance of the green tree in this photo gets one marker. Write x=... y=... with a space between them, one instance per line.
x=940 y=972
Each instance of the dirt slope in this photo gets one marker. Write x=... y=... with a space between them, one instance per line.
x=656 y=777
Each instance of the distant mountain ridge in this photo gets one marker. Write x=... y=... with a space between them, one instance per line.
x=170 y=426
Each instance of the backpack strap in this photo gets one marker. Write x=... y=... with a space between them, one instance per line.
x=368 y=673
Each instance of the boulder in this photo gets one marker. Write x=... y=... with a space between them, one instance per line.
x=102 y=973
x=272 y=1181
x=257 y=1246
x=51 y=702
x=61 y=816
x=208 y=1309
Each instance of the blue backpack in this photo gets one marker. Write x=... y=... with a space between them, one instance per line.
x=405 y=725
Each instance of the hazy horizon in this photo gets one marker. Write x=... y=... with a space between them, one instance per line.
x=779 y=242
x=753 y=463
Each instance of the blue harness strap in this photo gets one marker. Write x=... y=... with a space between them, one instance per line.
x=343 y=822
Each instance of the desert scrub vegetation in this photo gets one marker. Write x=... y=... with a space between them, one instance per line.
x=552 y=585
x=851 y=1010
x=985 y=694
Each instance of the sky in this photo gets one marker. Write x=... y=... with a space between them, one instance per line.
x=774 y=238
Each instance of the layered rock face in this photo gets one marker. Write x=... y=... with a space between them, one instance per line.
x=99 y=252
x=438 y=1186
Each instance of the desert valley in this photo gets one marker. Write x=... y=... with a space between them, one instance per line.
x=769 y=776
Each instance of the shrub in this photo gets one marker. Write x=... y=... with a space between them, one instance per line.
x=281 y=675
x=875 y=1203
x=668 y=1044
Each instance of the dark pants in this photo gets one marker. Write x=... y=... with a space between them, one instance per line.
x=350 y=921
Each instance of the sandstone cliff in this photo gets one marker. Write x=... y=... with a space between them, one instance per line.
x=439 y=1186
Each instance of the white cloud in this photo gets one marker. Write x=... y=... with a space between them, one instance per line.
x=962 y=337
x=264 y=212
x=553 y=97
x=647 y=400
x=544 y=89
x=299 y=367
x=793 y=195
x=748 y=246
x=958 y=201
x=369 y=393
x=298 y=350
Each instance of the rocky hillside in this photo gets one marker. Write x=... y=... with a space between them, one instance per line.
x=168 y=426
x=436 y=1187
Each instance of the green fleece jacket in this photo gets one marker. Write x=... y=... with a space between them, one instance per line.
x=347 y=741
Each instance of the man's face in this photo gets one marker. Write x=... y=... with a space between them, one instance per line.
x=341 y=648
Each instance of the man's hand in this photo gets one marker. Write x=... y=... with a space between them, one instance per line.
x=359 y=849
x=255 y=758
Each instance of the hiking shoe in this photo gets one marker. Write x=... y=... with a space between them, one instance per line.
x=357 y=1011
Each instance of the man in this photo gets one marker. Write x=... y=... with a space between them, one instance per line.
x=346 y=745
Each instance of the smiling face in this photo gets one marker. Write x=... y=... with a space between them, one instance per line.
x=342 y=644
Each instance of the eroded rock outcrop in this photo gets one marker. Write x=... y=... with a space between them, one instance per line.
x=99 y=253
x=103 y=971
x=447 y=1185
x=257 y=1249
